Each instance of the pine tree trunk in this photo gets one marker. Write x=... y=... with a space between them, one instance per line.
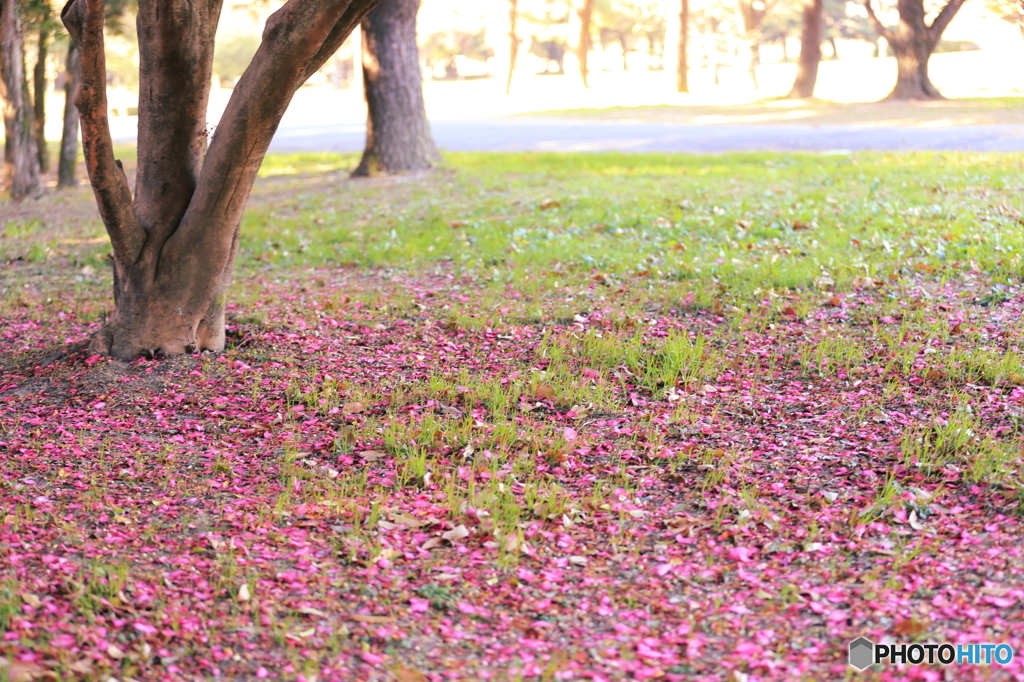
x=682 y=65
x=176 y=236
x=397 y=132
x=810 y=51
x=68 y=162
x=39 y=95
x=586 y=19
x=20 y=156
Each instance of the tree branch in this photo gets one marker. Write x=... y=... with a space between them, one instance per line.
x=84 y=21
x=941 y=21
x=880 y=28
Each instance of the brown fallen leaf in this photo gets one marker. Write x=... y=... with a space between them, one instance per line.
x=544 y=392
x=368 y=618
x=353 y=408
x=371 y=455
x=403 y=674
x=21 y=671
x=910 y=627
x=549 y=203
x=455 y=534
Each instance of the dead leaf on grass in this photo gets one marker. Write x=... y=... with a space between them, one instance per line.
x=353 y=408
x=370 y=455
x=368 y=618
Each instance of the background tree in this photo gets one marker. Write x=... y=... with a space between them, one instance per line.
x=445 y=47
x=397 y=132
x=810 y=51
x=21 y=158
x=586 y=14
x=913 y=42
x=175 y=238
x=1009 y=10
x=67 y=161
x=752 y=15
x=38 y=19
x=513 y=39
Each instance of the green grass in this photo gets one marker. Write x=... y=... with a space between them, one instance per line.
x=725 y=232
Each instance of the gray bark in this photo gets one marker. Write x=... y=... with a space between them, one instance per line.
x=397 y=132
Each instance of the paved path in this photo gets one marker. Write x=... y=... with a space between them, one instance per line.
x=570 y=135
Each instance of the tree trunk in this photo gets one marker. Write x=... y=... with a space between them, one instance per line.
x=68 y=161
x=20 y=156
x=913 y=42
x=586 y=18
x=39 y=94
x=810 y=51
x=397 y=132
x=682 y=65
x=513 y=17
x=175 y=238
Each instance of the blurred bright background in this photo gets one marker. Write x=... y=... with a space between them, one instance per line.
x=465 y=54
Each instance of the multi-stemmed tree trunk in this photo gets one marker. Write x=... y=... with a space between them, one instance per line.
x=397 y=132
x=913 y=42
x=810 y=51
x=68 y=159
x=586 y=14
x=22 y=177
x=175 y=239
x=39 y=97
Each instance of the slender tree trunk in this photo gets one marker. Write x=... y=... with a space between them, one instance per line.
x=175 y=238
x=513 y=17
x=20 y=156
x=810 y=51
x=625 y=51
x=586 y=18
x=68 y=162
x=397 y=132
x=682 y=65
x=39 y=94
x=913 y=42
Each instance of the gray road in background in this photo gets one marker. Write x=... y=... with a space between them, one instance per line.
x=576 y=135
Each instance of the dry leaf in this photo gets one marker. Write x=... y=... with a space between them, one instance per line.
x=403 y=674
x=431 y=543
x=243 y=592
x=549 y=203
x=371 y=455
x=21 y=671
x=911 y=627
x=455 y=534
x=456 y=224
x=544 y=392
x=353 y=408
x=115 y=652
x=367 y=618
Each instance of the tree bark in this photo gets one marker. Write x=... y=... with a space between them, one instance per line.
x=810 y=51
x=682 y=65
x=397 y=132
x=175 y=240
x=513 y=37
x=586 y=14
x=913 y=42
x=39 y=98
x=22 y=177
x=68 y=161
x=753 y=17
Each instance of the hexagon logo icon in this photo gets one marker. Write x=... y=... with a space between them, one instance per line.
x=861 y=653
